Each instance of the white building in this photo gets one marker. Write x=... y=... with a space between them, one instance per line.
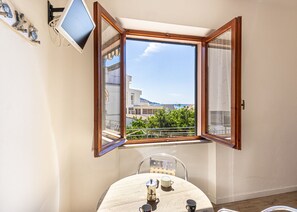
x=137 y=107
x=133 y=95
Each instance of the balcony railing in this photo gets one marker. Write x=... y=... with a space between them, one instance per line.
x=169 y=132
x=214 y=131
x=112 y=125
x=166 y=132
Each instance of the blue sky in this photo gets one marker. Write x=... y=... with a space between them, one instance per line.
x=164 y=72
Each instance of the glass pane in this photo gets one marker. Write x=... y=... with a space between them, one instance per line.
x=219 y=86
x=110 y=81
x=160 y=90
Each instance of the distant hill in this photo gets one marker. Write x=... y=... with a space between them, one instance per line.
x=175 y=106
x=169 y=106
x=147 y=101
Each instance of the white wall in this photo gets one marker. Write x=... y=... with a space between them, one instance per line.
x=29 y=161
x=46 y=133
x=71 y=97
x=267 y=163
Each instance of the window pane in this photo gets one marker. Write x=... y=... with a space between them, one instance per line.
x=219 y=85
x=110 y=83
x=161 y=90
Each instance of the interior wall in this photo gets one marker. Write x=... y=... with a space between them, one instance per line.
x=71 y=93
x=46 y=133
x=265 y=165
x=29 y=160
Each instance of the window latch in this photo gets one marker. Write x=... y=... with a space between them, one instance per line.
x=243 y=104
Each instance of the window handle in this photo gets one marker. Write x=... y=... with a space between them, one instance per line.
x=243 y=104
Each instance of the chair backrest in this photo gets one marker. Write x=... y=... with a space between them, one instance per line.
x=280 y=208
x=163 y=163
x=226 y=210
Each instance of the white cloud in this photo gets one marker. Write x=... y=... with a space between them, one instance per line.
x=152 y=48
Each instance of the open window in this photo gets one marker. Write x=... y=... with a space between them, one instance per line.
x=109 y=81
x=221 y=90
x=217 y=87
x=161 y=81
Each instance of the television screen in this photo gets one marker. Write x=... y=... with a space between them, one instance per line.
x=76 y=24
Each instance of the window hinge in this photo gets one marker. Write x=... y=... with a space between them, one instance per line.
x=243 y=104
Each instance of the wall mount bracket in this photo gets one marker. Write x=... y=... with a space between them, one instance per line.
x=51 y=10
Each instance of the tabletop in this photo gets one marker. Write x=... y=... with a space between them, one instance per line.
x=128 y=194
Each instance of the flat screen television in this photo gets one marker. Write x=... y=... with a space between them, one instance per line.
x=76 y=24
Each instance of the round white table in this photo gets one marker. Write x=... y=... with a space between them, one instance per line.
x=128 y=194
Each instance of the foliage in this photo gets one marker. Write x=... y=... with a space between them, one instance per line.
x=183 y=117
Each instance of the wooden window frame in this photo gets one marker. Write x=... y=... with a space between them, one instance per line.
x=201 y=81
x=235 y=141
x=171 y=38
x=99 y=149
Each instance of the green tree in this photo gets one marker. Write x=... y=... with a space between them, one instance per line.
x=183 y=117
x=160 y=119
x=136 y=127
x=139 y=123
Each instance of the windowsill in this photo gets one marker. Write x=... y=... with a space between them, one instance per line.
x=125 y=146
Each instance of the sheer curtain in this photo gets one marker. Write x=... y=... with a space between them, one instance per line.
x=219 y=85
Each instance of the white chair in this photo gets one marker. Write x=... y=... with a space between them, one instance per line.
x=163 y=163
x=280 y=208
x=226 y=210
